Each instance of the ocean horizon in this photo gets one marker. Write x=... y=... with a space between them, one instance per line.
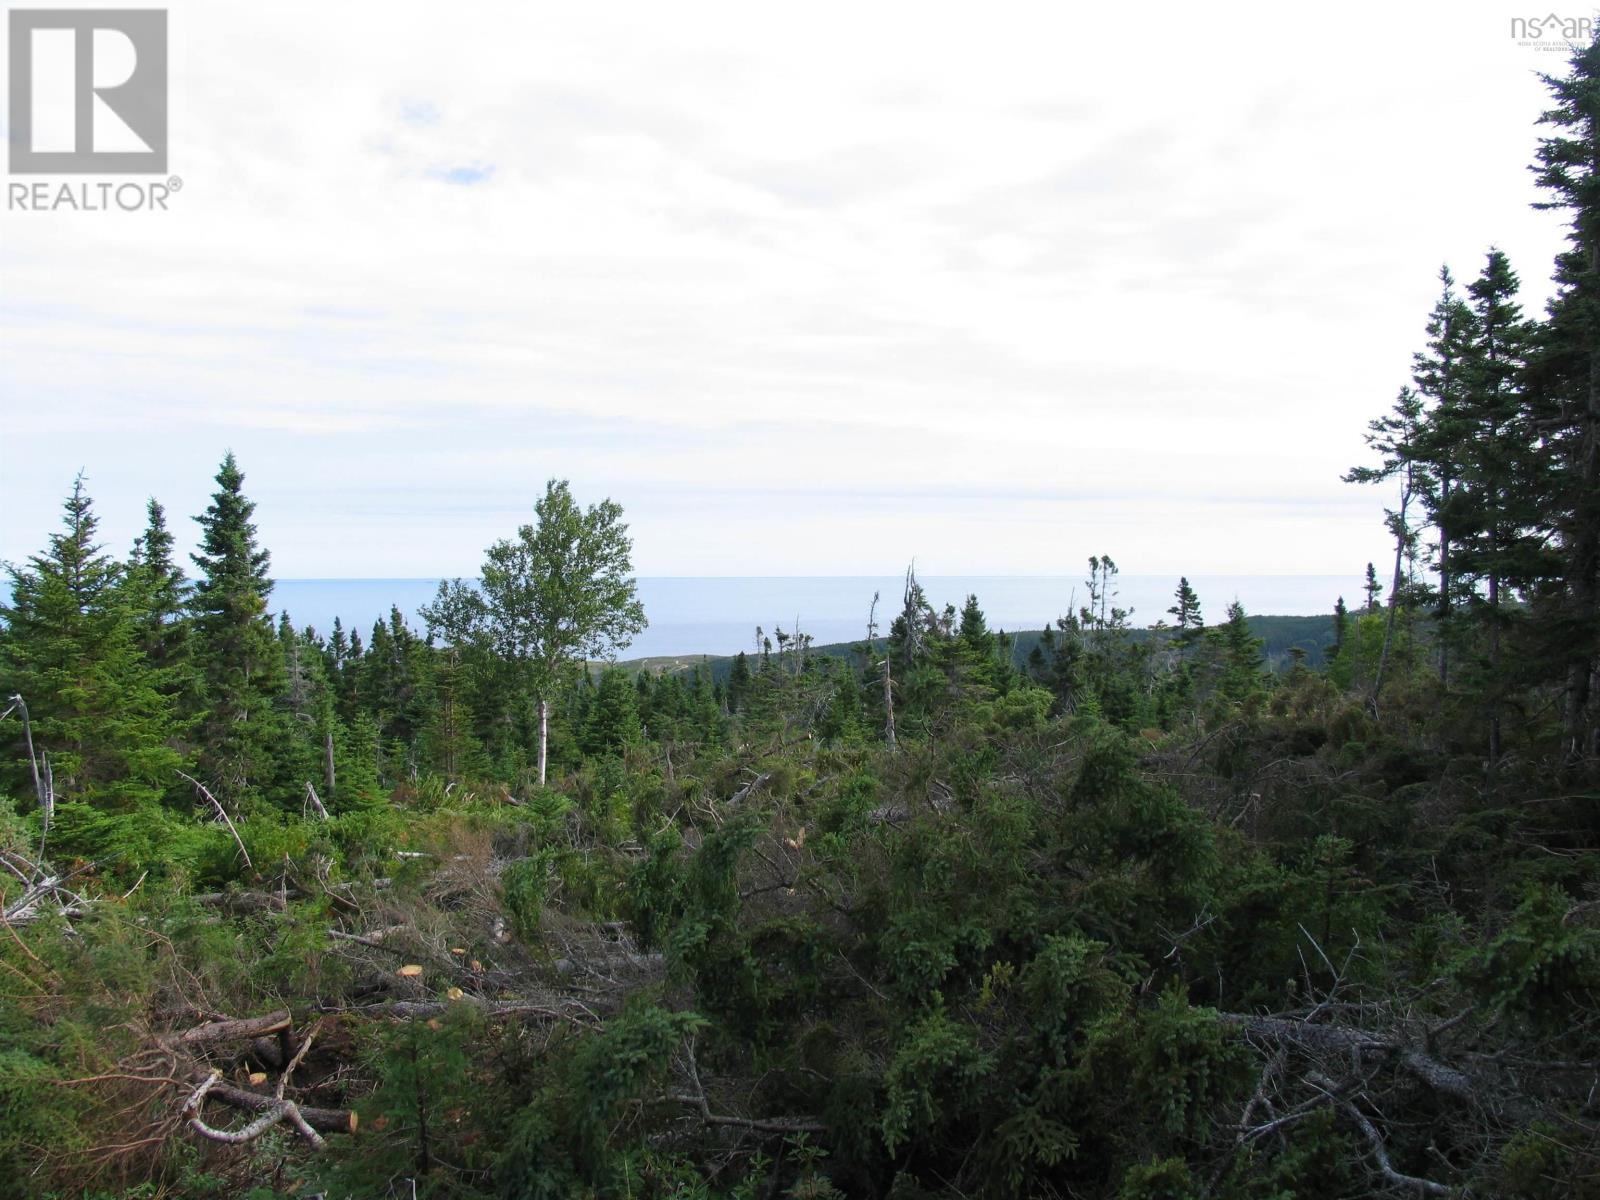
x=719 y=615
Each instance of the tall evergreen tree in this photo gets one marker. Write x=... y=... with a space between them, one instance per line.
x=1341 y=630
x=391 y=681
x=1241 y=657
x=72 y=647
x=1395 y=436
x=447 y=738
x=739 y=680
x=1185 y=613
x=613 y=719
x=1372 y=588
x=1566 y=380
x=974 y=628
x=1439 y=373
x=163 y=615
x=1494 y=509
x=236 y=648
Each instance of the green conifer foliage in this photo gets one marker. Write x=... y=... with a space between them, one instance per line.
x=74 y=648
x=613 y=721
x=1565 y=381
x=1186 y=614
x=236 y=647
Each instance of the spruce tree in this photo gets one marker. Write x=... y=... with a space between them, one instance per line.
x=236 y=648
x=1341 y=630
x=1494 y=509
x=1185 y=613
x=739 y=680
x=1439 y=373
x=448 y=743
x=974 y=629
x=613 y=720
x=307 y=749
x=163 y=611
x=1242 y=679
x=73 y=648
x=390 y=681
x=1566 y=382
x=1395 y=436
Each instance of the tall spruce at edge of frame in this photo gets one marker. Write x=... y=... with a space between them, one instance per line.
x=1565 y=381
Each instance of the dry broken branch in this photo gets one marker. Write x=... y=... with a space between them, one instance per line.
x=315 y=801
x=223 y=813
x=1380 y=1149
x=697 y=1100
x=1342 y=1040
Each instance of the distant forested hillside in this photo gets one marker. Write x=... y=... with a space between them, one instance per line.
x=1279 y=637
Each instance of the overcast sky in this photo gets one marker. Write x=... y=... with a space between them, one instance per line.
x=808 y=289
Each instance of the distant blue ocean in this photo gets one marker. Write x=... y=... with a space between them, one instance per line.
x=720 y=615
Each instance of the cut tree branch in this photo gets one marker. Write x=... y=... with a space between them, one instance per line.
x=278 y=1111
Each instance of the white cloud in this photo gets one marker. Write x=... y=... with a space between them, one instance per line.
x=808 y=290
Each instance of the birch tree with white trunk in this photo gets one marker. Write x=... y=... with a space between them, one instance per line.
x=561 y=592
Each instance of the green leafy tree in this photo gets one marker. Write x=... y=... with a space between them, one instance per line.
x=561 y=591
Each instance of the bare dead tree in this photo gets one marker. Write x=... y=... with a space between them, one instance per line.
x=888 y=689
x=43 y=783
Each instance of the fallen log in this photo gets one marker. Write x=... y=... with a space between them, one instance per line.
x=216 y=1031
x=522 y=1010
x=247 y=901
x=743 y=793
x=327 y=1120
x=375 y=939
